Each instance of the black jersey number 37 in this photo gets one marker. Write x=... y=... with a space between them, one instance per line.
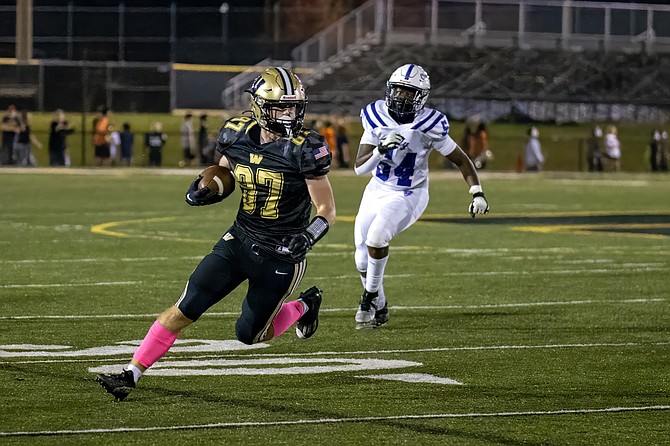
x=273 y=181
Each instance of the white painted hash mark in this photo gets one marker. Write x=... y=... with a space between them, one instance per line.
x=414 y=378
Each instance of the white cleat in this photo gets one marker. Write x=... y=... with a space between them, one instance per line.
x=367 y=308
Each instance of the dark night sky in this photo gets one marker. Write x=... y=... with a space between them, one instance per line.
x=237 y=3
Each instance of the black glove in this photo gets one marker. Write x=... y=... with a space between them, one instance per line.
x=201 y=197
x=299 y=244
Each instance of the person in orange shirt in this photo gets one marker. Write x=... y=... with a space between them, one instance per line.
x=479 y=149
x=101 y=138
x=328 y=133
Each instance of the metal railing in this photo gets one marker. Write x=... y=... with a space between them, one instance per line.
x=363 y=24
x=566 y=24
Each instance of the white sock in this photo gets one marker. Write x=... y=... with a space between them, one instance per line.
x=375 y=273
x=137 y=373
x=381 y=297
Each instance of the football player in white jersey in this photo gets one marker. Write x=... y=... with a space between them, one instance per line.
x=399 y=134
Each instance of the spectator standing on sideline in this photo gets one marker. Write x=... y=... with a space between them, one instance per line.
x=101 y=137
x=399 y=136
x=58 y=131
x=532 y=154
x=466 y=145
x=114 y=143
x=154 y=142
x=203 y=136
x=209 y=150
x=594 y=153
x=23 y=155
x=480 y=152
x=328 y=133
x=282 y=170
x=188 y=142
x=654 y=150
x=10 y=128
x=664 y=152
x=342 y=141
x=613 y=149
x=127 y=142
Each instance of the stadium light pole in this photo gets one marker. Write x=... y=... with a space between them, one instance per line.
x=223 y=10
x=24 y=30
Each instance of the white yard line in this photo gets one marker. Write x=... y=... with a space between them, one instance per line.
x=97 y=260
x=355 y=352
x=62 y=285
x=431 y=416
x=625 y=269
x=342 y=250
x=335 y=310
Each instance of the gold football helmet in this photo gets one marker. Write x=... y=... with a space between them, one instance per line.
x=274 y=91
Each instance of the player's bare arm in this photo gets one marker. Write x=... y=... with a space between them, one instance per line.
x=462 y=161
x=321 y=194
x=224 y=162
x=479 y=204
x=364 y=153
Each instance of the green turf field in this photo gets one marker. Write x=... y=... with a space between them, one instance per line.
x=544 y=323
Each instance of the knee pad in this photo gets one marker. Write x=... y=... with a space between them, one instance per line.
x=361 y=258
x=378 y=236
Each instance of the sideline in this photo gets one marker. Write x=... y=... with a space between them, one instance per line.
x=618 y=179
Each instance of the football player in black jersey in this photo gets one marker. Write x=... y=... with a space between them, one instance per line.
x=281 y=170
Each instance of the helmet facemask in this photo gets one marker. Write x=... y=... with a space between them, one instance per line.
x=270 y=116
x=274 y=91
x=404 y=101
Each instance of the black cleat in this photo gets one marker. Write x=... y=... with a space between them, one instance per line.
x=309 y=321
x=118 y=385
x=381 y=317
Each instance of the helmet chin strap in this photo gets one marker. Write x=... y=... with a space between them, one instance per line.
x=405 y=119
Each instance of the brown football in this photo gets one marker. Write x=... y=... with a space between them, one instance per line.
x=219 y=179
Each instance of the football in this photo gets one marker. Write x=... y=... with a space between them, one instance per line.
x=218 y=179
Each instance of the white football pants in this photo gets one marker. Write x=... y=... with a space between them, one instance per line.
x=382 y=215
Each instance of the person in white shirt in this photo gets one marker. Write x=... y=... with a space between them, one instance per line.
x=399 y=135
x=114 y=143
x=532 y=154
x=613 y=149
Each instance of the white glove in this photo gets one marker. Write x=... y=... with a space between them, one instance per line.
x=479 y=204
x=391 y=142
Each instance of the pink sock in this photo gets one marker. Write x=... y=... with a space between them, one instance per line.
x=155 y=344
x=288 y=314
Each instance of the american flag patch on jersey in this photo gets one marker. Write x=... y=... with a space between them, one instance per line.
x=320 y=152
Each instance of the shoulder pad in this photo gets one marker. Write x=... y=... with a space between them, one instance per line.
x=315 y=156
x=233 y=129
x=433 y=123
x=375 y=115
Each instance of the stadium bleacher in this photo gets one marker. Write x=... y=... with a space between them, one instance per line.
x=504 y=74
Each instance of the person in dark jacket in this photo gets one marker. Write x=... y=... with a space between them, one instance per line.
x=58 y=131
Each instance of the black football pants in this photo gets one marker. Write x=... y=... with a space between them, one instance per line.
x=234 y=259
